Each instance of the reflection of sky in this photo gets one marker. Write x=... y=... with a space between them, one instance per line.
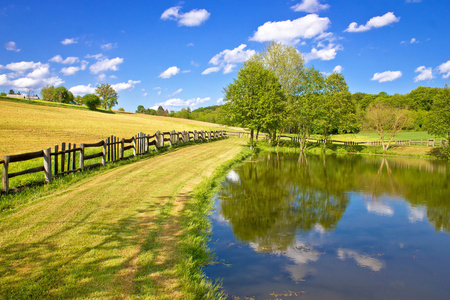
x=416 y=213
x=378 y=208
x=361 y=260
x=233 y=176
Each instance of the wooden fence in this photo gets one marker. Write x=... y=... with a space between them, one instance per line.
x=294 y=139
x=69 y=158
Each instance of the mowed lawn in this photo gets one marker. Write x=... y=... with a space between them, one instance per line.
x=111 y=236
x=28 y=128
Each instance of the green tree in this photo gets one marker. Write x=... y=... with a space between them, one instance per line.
x=287 y=64
x=62 y=95
x=335 y=110
x=140 y=109
x=439 y=117
x=47 y=92
x=255 y=99
x=91 y=101
x=386 y=120
x=108 y=95
x=160 y=111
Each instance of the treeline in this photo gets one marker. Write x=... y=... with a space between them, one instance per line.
x=104 y=96
x=275 y=93
x=211 y=114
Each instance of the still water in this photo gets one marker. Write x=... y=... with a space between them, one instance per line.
x=334 y=227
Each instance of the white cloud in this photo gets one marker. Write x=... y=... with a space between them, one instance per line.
x=227 y=59
x=424 y=74
x=220 y=101
x=237 y=55
x=108 y=46
x=68 y=61
x=172 y=71
x=374 y=22
x=125 y=85
x=413 y=41
x=81 y=90
x=413 y=1
x=96 y=56
x=177 y=103
x=192 y=18
x=387 y=76
x=326 y=53
x=211 y=70
x=338 y=69
x=40 y=73
x=3 y=80
x=176 y=92
x=69 y=41
x=290 y=32
x=105 y=64
x=445 y=69
x=145 y=94
x=11 y=46
x=309 y=6
x=22 y=66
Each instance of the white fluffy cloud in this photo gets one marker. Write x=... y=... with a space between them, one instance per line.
x=361 y=260
x=105 y=64
x=81 y=90
x=129 y=85
x=387 y=76
x=192 y=18
x=11 y=46
x=227 y=59
x=310 y=6
x=67 y=41
x=68 y=61
x=445 y=69
x=424 y=74
x=177 y=103
x=375 y=22
x=172 y=71
x=176 y=92
x=324 y=53
x=291 y=32
x=338 y=69
x=22 y=66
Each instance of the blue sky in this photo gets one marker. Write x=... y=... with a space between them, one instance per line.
x=183 y=53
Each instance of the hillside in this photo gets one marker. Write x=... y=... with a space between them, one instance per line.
x=29 y=127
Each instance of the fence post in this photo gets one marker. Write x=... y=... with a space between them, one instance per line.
x=156 y=141
x=63 y=157
x=82 y=157
x=56 y=160
x=134 y=146
x=73 y=157
x=105 y=142
x=122 y=151
x=5 y=178
x=162 y=140
x=48 y=164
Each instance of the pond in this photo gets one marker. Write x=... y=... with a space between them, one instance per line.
x=333 y=227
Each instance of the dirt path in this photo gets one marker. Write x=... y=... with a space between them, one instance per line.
x=110 y=236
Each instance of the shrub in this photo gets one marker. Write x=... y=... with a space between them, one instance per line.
x=91 y=101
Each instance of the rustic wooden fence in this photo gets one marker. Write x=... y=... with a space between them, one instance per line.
x=69 y=158
x=294 y=139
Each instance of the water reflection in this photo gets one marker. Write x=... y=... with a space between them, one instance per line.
x=339 y=227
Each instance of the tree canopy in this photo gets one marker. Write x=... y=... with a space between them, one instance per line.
x=255 y=99
x=108 y=95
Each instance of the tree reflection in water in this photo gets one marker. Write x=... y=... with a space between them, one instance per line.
x=273 y=197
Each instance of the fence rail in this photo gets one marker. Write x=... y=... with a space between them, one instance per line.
x=69 y=158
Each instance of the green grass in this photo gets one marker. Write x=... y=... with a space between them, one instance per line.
x=114 y=235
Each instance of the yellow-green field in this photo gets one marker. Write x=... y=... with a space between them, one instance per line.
x=27 y=128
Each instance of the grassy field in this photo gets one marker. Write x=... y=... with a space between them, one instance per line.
x=116 y=235
x=27 y=128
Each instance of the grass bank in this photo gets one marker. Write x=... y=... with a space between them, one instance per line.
x=127 y=233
